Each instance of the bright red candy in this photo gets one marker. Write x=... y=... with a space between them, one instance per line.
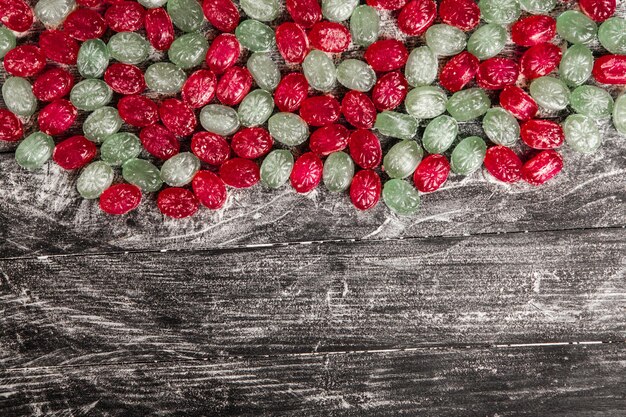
x=417 y=16
x=542 y=134
x=210 y=148
x=177 y=202
x=199 y=88
x=365 y=189
x=329 y=139
x=24 y=61
x=598 y=10
x=125 y=16
x=518 y=102
x=57 y=117
x=542 y=167
x=53 y=84
x=177 y=117
x=610 y=69
x=138 y=111
x=329 y=37
x=306 y=173
x=292 y=42
x=387 y=4
x=463 y=14
x=540 y=60
x=74 y=152
x=358 y=109
x=533 y=30
x=459 y=71
x=365 y=149
x=386 y=55
x=11 y=128
x=159 y=141
x=210 y=189
x=431 y=173
x=389 y=91
x=497 y=73
x=16 y=15
x=119 y=199
x=83 y=24
x=304 y=12
x=124 y=78
x=503 y=164
x=291 y=91
x=222 y=14
x=234 y=85
x=223 y=53
x=90 y=3
x=159 y=28
x=320 y=110
x=252 y=142
x=58 y=47
x=240 y=173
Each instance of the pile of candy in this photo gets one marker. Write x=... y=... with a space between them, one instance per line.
x=267 y=81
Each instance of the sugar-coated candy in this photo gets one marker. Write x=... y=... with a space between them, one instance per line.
x=306 y=173
x=177 y=203
x=402 y=159
x=338 y=172
x=240 y=173
x=468 y=155
x=119 y=148
x=34 y=151
x=503 y=164
x=120 y=199
x=180 y=169
x=439 y=134
x=94 y=179
x=209 y=189
x=431 y=173
x=581 y=133
x=364 y=25
x=365 y=189
x=397 y=125
x=401 y=197
x=144 y=174
x=276 y=168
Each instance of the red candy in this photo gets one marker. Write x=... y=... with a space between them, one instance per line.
x=11 y=129
x=16 y=15
x=240 y=173
x=291 y=92
x=119 y=199
x=304 y=12
x=540 y=60
x=329 y=139
x=159 y=141
x=365 y=189
x=387 y=4
x=124 y=78
x=330 y=37
x=210 y=189
x=610 y=69
x=177 y=117
x=459 y=71
x=53 y=84
x=542 y=134
x=252 y=142
x=223 y=53
x=518 y=102
x=320 y=110
x=306 y=173
x=83 y=24
x=234 y=85
x=365 y=149
x=598 y=10
x=386 y=55
x=497 y=73
x=74 y=152
x=417 y=16
x=159 y=29
x=199 y=88
x=431 y=173
x=389 y=91
x=292 y=42
x=503 y=164
x=463 y=14
x=58 y=47
x=358 y=109
x=542 y=167
x=222 y=14
x=24 y=61
x=177 y=203
x=533 y=30
x=210 y=148
x=57 y=117
x=138 y=111
x=125 y=16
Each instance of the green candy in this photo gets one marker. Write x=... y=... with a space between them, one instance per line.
x=119 y=148
x=445 y=40
x=575 y=27
x=53 y=12
x=421 y=67
x=468 y=104
x=276 y=168
x=189 y=50
x=338 y=172
x=256 y=108
x=487 y=41
x=592 y=101
x=143 y=174
x=401 y=197
x=364 y=25
x=34 y=151
x=468 y=155
x=550 y=93
x=91 y=94
x=501 y=12
x=440 y=134
x=288 y=128
x=18 y=96
x=152 y=4
x=186 y=15
x=426 y=102
x=537 y=6
x=219 y=119
x=582 y=134
x=356 y=75
x=402 y=159
x=129 y=47
x=102 y=123
x=255 y=36
x=165 y=78
x=576 y=65
x=319 y=71
x=94 y=179
x=501 y=127
x=264 y=70
x=338 y=10
x=619 y=114
x=612 y=35
x=7 y=41
x=180 y=169
x=93 y=58
x=396 y=125
x=263 y=10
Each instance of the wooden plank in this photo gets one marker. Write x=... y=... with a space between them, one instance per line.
x=535 y=287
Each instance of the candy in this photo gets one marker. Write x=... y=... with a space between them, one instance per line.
x=575 y=27
x=338 y=172
x=468 y=104
x=431 y=173
x=288 y=128
x=356 y=75
x=329 y=37
x=365 y=189
x=199 y=89
x=364 y=25
x=358 y=110
x=159 y=28
x=499 y=11
x=159 y=141
x=417 y=16
x=24 y=61
x=291 y=91
x=125 y=16
x=177 y=117
x=458 y=71
x=319 y=71
x=57 y=117
x=320 y=110
x=518 y=102
x=7 y=41
x=256 y=108
x=94 y=179
x=402 y=159
x=338 y=10
x=612 y=35
x=537 y=6
x=74 y=152
x=120 y=199
x=542 y=167
x=550 y=93
x=576 y=65
x=445 y=40
x=487 y=41
x=292 y=42
x=119 y=148
x=101 y=123
x=591 y=101
x=210 y=148
x=463 y=14
x=129 y=47
x=396 y=125
x=209 y=189
x=365 y=149
x=219 y=119
x=304 y=12
x=53 y=12
x=263 y=10
x=34 y=151
x=497 y=73
x=540 y=60
x=582 y=134
x=387 y=4
x=180 y=169
x=223 y=14
x=503 y=164
x=264 y=71
x=389 y=91
x=386 y=55
x=276 y=168
x=306 y=173
x=186 y=15
x=240 y=173
x=165 y=78
x=619 y=114
x=329 y=139
x=124 y=79
x=11 y=128
x=18 y=96
x=501 y=127
x=152 y=4
x=188 y=51
x=426 y=102
x=93 y=58
x=421 y=67
x=177 y=203
x=542 y=134
x=143 y=174
x=138 y=111
x=598 y=10
x=58 y=47
x=468 y=155
x=16 y=15
x=252 y=143
x=254 y=35
x=401 y=197
x=610 y=69
x=439 y=134
x=533 y=30
x=83 y=24
x=223 y=52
